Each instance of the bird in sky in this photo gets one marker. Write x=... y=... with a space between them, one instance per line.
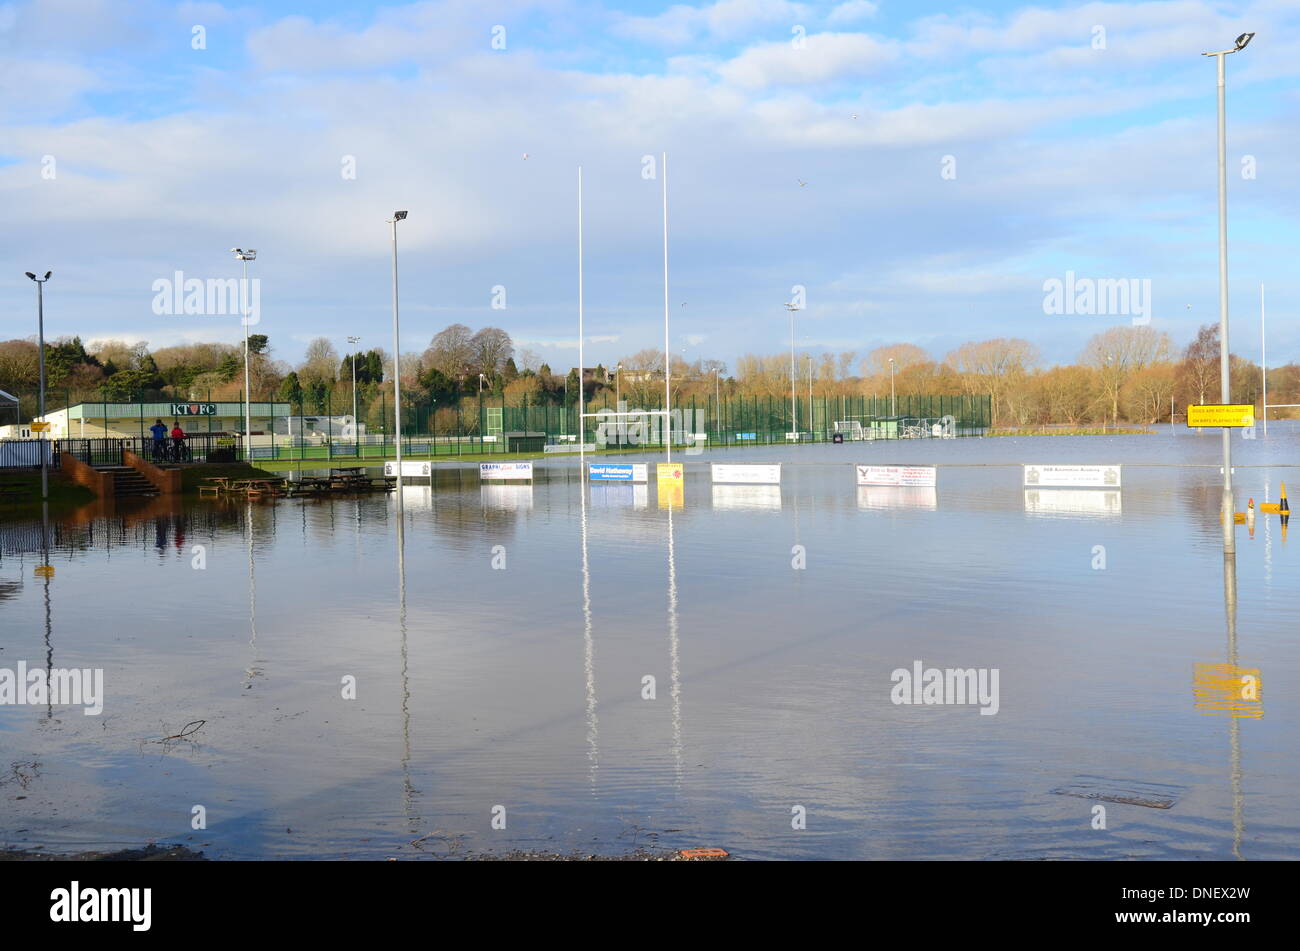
x=525 y=156
x=801 y=182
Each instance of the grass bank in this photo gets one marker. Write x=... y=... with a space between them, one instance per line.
x=194 y=476
x=20 y=493
x=1068 y=431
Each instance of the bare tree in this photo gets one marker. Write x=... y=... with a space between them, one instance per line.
x=321 y=361
x=904 y=355
x=491 y=347
x=1120 y=352
x=451 y=351
x=993 y=367
x=1198 y=373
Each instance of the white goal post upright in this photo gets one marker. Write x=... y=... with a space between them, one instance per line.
x=668 y=360
x=582 y=440
x=605 y=414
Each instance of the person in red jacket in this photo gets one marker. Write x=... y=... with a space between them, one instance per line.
x=178 y=442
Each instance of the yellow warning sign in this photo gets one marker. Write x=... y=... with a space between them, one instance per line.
x=1221 y=414
x=40 y=427
x=43 y=571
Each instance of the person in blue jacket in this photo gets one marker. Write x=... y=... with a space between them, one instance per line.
x=159 y=434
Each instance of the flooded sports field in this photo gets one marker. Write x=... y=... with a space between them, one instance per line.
x=602 y=667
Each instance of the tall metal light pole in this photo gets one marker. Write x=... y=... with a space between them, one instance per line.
x=794 y=410
x=618 y=384
x=668 y=357
x=356 y=431
x=246 y=256
x=397 y=364
x=40 y=399
x=893 y=399
x=1263 y=360
x=1225 y=396
x=717 y=399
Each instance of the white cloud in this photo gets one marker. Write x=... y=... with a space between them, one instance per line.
x=851 y=12
x=727 y=20
x=824 y=57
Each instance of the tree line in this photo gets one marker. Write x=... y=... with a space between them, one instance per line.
x=1124 y=374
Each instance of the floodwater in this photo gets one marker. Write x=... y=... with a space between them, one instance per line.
x=500 y=655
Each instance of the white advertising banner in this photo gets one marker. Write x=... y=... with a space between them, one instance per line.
x=924 y=476
x=747 y=498
x=1074 y=477
x=505 y=470
x=510 y=498
x=1073 y=502
x=416 y=469
x=897 y=497
x=748 y=474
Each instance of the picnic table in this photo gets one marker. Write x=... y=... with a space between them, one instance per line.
x=256 y=488
x=215 y=484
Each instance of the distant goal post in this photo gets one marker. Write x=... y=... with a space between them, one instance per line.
x=849 y=428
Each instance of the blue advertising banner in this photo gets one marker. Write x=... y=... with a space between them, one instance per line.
x=617 y=472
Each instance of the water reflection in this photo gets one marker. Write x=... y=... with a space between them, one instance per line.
x=788 y=669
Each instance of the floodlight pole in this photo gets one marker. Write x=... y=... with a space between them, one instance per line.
x=582 y=428
x=248 y=385
x=893 y=400
x=1225 y=389
x=397 y=367
x=356 y=432
x=244 y=257
x=40 y=402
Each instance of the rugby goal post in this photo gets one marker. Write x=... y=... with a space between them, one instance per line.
x=619 y=419
x=849 y=428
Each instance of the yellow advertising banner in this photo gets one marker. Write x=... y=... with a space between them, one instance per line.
x=671 y=495
x=39 y=427
x=669 y=472
x=1221 y=414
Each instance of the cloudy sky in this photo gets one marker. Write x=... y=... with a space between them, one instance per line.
x=921 y=168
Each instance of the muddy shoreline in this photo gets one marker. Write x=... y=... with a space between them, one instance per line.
x=179 y=853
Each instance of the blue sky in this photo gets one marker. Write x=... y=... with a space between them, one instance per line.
x=1070 y=154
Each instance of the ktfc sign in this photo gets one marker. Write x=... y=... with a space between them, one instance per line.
x=194 y=409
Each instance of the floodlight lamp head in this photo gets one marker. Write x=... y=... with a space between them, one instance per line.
x=48 y=274
x=31 y=275
x=399 y=216
x=1244 y=40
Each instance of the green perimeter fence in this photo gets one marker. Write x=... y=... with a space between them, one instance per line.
x=492 y=427
x=314 y=430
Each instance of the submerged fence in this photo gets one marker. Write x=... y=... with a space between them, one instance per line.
x=196 y=447
x=490 y=426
